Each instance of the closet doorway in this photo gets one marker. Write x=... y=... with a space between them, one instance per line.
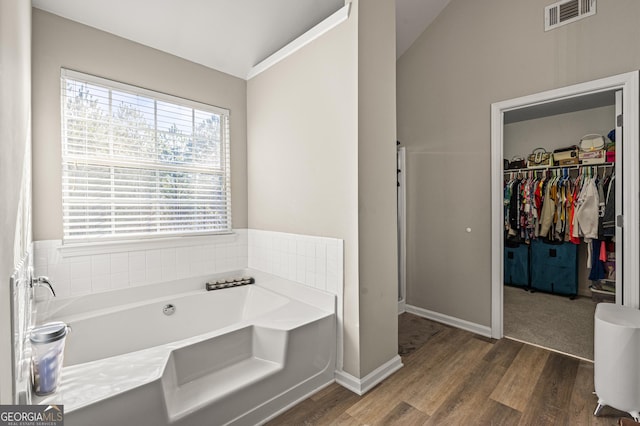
x=617 y=96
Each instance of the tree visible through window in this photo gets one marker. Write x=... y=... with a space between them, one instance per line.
x=138 y=163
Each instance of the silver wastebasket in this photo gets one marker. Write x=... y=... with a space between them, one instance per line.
x=616 y=357
x=47 y=350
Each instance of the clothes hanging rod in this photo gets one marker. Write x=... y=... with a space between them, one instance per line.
x=575 y=167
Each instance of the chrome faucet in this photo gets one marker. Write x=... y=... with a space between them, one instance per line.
x=42 y=281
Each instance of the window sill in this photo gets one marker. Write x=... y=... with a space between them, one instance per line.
x=104 y=247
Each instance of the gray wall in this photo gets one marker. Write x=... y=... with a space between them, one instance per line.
x=15 y=164
x=476 y=53
x=58 y=42
x=377 y=184
x=302 y=154
x=321 y=143
x=557 y=131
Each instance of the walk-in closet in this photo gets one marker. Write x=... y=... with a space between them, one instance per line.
x=563 y=191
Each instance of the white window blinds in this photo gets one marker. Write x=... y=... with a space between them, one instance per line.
x=137 y=163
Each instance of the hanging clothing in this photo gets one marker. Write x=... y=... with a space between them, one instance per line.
x=557 y=207
x=609 y=217
x=587 y=212
x=514 y=207
x=548 y=210
x=598 y=271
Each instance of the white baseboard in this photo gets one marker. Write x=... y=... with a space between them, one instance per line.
x=401 y=307
x=482 y=330
x=362 y=386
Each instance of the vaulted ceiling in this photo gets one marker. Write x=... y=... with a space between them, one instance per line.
x=228 y=35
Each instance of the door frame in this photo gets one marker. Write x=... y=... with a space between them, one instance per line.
x=402 y=228
x=629 y=84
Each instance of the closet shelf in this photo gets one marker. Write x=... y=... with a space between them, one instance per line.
x=601 y=291
x=574 y=167
x=602 y=295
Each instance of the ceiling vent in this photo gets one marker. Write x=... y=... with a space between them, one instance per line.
x=566 y=12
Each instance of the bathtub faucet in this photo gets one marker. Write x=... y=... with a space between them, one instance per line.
x=233 y=282
x=43 y=281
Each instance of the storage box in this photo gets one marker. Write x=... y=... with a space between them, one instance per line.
x=572 y=161
x=593 y=157
x=554 y=267
x=566 y=156
x=516 y=264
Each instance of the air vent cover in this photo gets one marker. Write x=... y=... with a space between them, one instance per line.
x=567 y=11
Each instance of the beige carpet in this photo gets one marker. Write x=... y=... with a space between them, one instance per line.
x=551 y=321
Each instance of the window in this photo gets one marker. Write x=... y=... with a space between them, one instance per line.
x=137 y=163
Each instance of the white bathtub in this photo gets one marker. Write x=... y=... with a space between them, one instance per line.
x=232 y=356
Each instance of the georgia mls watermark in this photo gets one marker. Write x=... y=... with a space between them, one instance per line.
x=31 y=415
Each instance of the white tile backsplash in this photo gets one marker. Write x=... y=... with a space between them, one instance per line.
x=153 y=259
x=119 y=280
x=182 y=255
x=100 y=283
x=153 y=266
x=137 y=260
x=81 y=268
x=169 y=272
x=101 y=264
x=314 y=261
x=183 y=270
x=137 y=277
x=60 y=274
x=154 y=274
x=80 y=286
x=75 y=275
x=119 y=263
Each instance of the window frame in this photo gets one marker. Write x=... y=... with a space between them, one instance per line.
x=108 y=161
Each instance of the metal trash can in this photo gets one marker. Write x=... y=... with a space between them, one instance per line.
x=616 y=353
x=47 y=349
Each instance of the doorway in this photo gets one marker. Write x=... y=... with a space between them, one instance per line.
x=574 y=98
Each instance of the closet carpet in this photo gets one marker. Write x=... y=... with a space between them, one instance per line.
x=453 y=377
x=551 y=321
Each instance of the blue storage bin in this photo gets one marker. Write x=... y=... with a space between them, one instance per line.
x=516 y=264
x=554 y=267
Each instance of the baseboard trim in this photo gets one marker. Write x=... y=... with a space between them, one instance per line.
x=362 y=386
x=482 y=330
x=401 y=307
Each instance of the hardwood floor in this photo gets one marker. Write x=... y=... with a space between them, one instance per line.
x=453 y=377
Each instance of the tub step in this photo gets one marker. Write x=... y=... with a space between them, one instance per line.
x=190 y=397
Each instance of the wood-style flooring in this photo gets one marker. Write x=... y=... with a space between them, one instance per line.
x=453 y=377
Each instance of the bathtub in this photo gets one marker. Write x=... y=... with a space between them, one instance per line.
x=233 y=356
